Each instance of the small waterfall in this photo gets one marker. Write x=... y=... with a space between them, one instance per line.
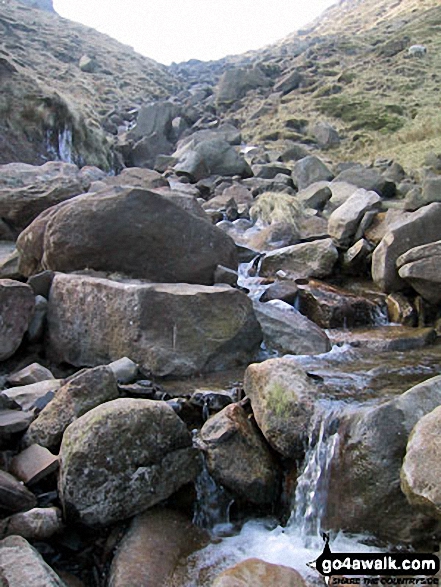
x=59 y=145
x=212 y=508
x=310 y=500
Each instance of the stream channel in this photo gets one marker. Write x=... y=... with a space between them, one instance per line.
x=354 y=376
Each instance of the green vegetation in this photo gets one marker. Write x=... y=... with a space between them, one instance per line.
x=278 y=400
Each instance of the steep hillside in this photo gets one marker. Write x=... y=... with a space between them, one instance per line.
x=61 y=82
x=356 y=73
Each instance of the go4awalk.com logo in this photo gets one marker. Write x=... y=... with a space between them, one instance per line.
x=376 y=568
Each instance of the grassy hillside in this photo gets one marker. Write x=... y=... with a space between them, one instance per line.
x=45 y=92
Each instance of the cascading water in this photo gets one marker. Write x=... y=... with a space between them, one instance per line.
x=212 y=510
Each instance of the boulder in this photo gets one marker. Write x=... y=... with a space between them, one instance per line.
x=414 y=229
x=136 y=232
x=421 y=267
x=372 y=446
x=26 y=190
x=16 y=308
x=314 y=259
x=12 y=422
x=383 y=339
x=281 y=290
x=122 y=458
x=344 y=221
x=325 y=134
x=356 y=259
x=21 y=564
x=38 y=323
x=368 y=179
x=210 y=157
x=282 y=397
x=238 y=458
x=235 y=82
x=168 y=329
x=33 y=373
x=135 y=177
x=310 y=170
x=31 y=396
x=152 y=548
x=420 y=475
x=315 y=196
x=14 y=496
x=35 y=524
x=258 y=573
x=86 y=390
x=333 y=307
x=34 y=464
x=289 y=82
x=287 y=331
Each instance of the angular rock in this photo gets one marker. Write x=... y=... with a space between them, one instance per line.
x=35 y=524
x=210 y=157
x=152 y=548
x=41 y=283
x=368 y=179
x=135 y=177
x=289 y=82
x=131 y=231
x=16 y=308
x=400 y=310
x=385 y=338
x=29 y=397
x=86 y=390
x=238 y=458
x=310 y=170
x=421 y=267
x=166 y=328
x=258 y=573
x=21 y=564
x=333 y=307
x=27 y=190
x=236 y=82
x=372 y=446
x=315 y=196
x=33 y=464
x=420 y=480
x=314 y=259
x=211 y=400
x=12 y=422
x=344 y=221
x=355 y=260
x=415 y=229
x=14 y=496
x=282 y=396
x=287 y=331
x=122 y=458
x=430 y=193
x=286 y=291
x=33 y=373
x=325 y=134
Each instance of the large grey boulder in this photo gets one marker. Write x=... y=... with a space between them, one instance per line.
x=344 y=221
x=310 y=170
x=135 y=232
x=420 y=474
x=85 y=391
x=168 y=329
x=17 y=304
x=289 y=82
x=287 y=331
x=421 y=267
x=26 y=190
x=122 y=458
x=282 y=396
x=210 y=157
x=415 y=229
x=314 y=259
x=21 y=564
x=368 y=179
x=372 y=446
x=236 y=82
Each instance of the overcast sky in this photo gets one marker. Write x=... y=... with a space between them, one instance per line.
x=178 y=30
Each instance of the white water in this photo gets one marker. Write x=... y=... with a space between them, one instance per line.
x=300 y=541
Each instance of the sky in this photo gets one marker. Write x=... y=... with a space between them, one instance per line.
x=179 y=30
